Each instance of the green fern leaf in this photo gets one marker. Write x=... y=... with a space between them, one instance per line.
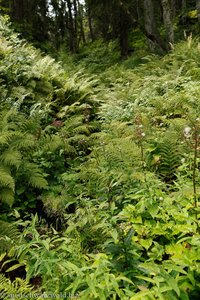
x=3 y=138
x=51 y=143
x=9 y=235
x=36 y=180
x=23 y=141
x=11 y=157
x=7 y=196
x=17 y=287
x=6 y=180
x=83 y=129
x=33 y=175
x=165 y=158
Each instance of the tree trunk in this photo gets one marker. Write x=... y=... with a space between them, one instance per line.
x=43 y=10
x=80 y=16
x=75 y=23
x=71 y=27
x=150 y=24
x=173 y=8
x=183 y=4
x=17 y=10
x=167 y=20
x=123 y=31
x=124 y=42
x=90 y=23
x=198 y=10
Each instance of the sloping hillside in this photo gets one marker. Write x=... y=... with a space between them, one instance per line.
x=99 y=175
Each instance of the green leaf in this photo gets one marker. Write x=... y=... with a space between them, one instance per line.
x=143 y=295
x=11 y=157
x=184 y=295
x=174 y=285
x=7 y=196
x=91 y=284
x=6 y=180
x=153 y=209
x=147 y=279
x=70 y=266
x=14 y=267
x=146 y=243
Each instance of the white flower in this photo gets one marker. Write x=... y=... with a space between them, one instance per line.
x=186 y=131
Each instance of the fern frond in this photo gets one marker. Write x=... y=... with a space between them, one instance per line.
x=30 y=125
x=51 y=142
x=34 y=176
x=8 y=120
x=11 y=157
x=69 y=149
x=9 y=235
x=7 y=196
x=37 y=180
x=23 y=140
x=46 y=65
x=6 y=180
x=78 y=138
x=54 y=204
x=17 y=287
x=83 y=129
x=4 y=137
x=165 y=158
x=73 y=122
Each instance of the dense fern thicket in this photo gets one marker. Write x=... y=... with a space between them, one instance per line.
x=99 y=179
x=47 y=116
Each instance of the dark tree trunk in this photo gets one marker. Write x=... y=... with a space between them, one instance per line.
x=43 y=20
x=123 y=27
x=123 y=34
x=167 y=20
x=173 y=8
x=72 y=28
x=80 y=17
x=90 y=23
x=17 y=10
x=150 y=25
x=198 y=10
x=75 y=23
x=58 y=30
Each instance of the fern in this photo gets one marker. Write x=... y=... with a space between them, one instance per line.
x=9 y=236
x=18 y=288
x=30 y=79
x=16 y=146
x=165 y=158
x=51 y=142
x=33 y=176
x=6 y=179
x=7 y=186
x=7 y=196
x=11 y=157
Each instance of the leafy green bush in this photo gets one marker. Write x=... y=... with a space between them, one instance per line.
x=17 y=143
x=50 y=124
x=30 y=79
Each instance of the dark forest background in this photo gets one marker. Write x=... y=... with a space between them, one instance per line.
x=74 y=23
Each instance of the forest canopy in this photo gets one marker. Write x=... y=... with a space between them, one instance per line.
x=73 y=23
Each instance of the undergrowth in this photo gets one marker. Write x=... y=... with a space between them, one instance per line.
x=99 y=183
